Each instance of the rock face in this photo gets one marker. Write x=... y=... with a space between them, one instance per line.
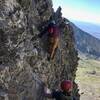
x=23 y=57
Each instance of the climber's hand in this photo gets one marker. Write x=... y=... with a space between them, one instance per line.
x=47 y=92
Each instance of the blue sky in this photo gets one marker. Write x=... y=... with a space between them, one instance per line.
x=81 y=10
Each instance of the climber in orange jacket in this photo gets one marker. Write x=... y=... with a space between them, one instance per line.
x=65 y=92
x=53 y=34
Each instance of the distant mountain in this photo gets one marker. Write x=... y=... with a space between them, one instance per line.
x=86 y=43
x=93 y=29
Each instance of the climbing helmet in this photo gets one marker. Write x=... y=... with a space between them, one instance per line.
x=66 y=85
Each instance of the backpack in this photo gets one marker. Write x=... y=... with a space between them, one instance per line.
x=53 y=31
x=58 y=95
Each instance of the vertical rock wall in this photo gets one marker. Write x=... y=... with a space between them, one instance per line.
x=23 y=57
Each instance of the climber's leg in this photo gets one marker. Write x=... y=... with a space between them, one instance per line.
x=54 y=53
x=51 y=42
x=54 y=47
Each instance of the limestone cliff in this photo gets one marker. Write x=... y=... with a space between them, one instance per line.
x=23 y=57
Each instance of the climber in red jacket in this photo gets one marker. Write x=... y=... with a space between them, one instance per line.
x=53 y=33
x=63 y=94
